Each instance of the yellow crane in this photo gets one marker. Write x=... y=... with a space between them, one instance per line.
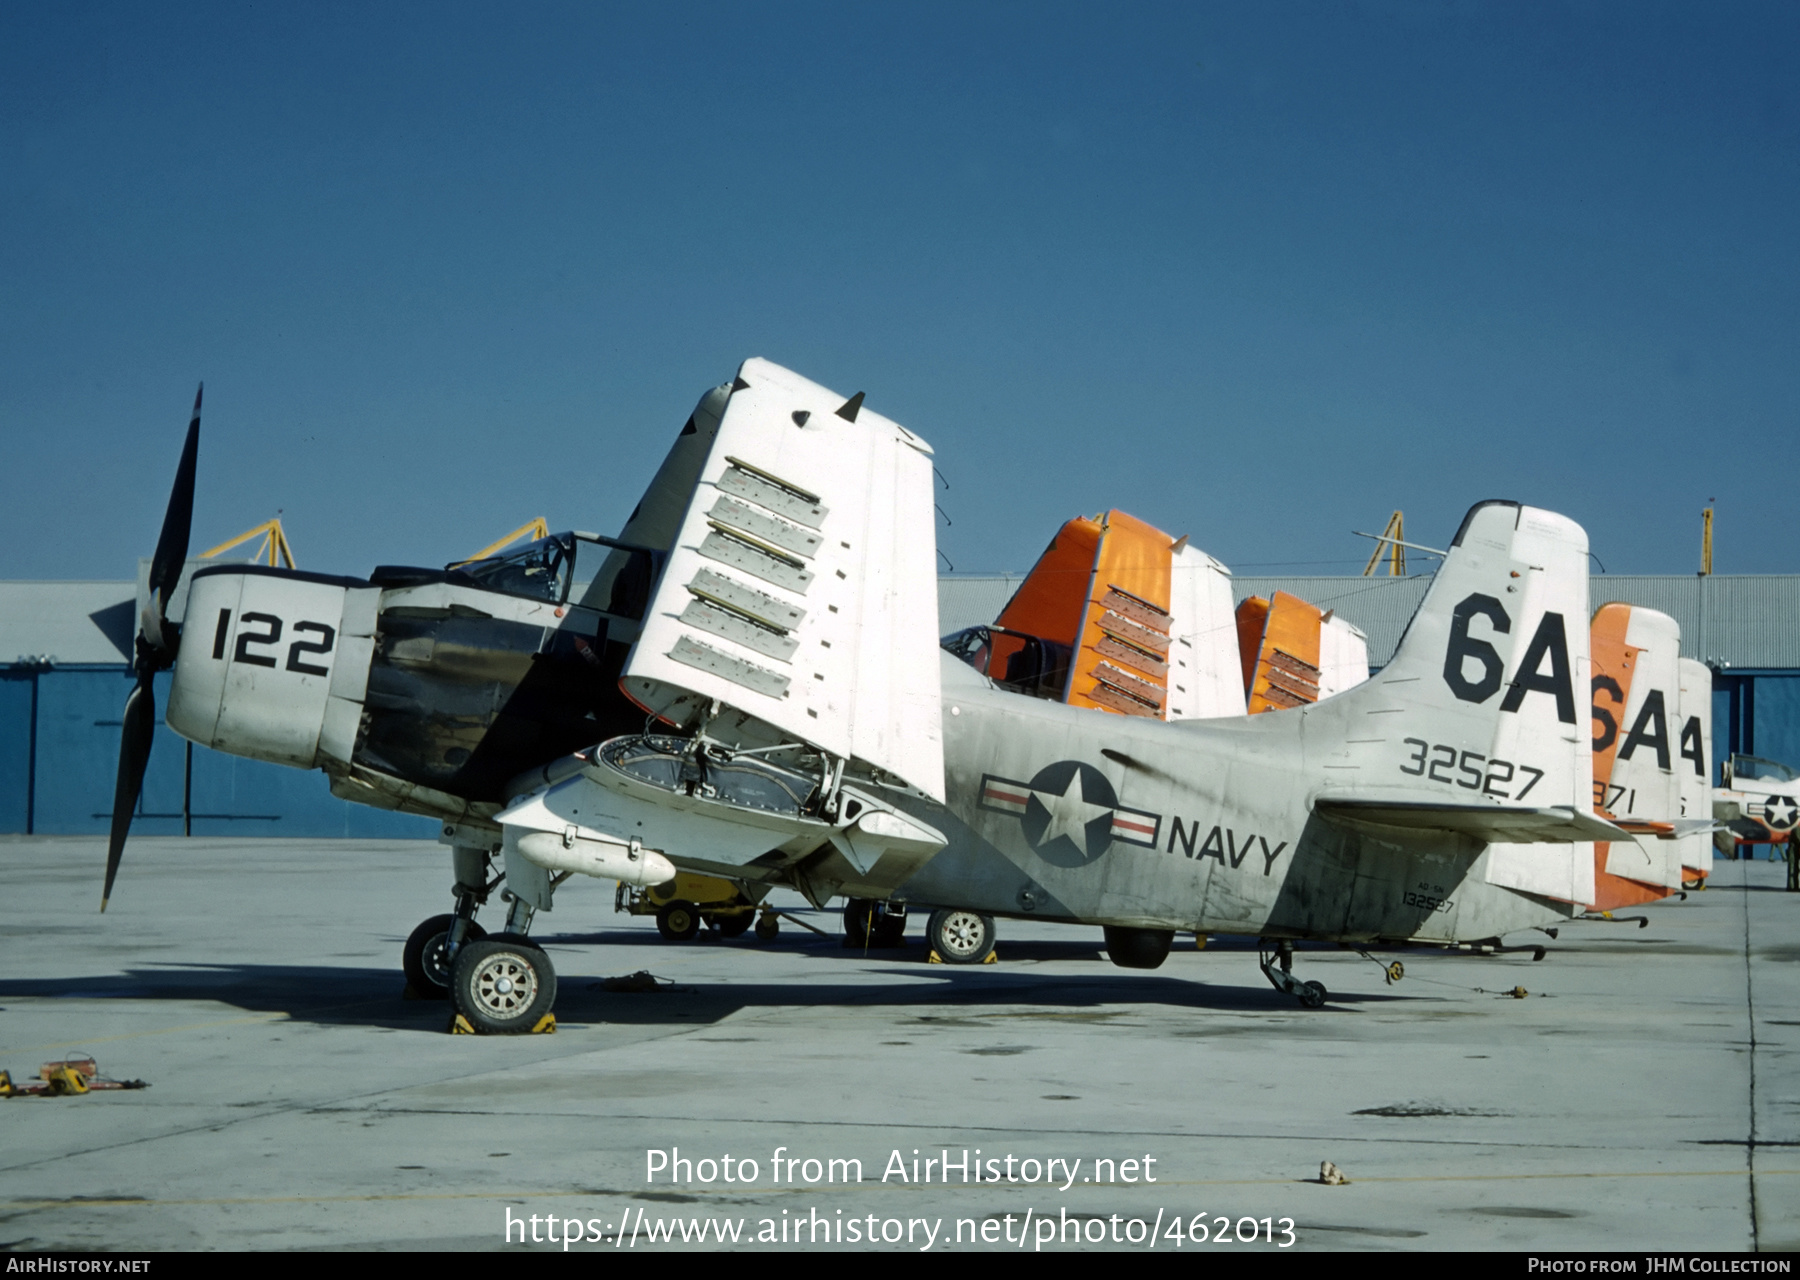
x=274 y=549
x=531 y=531
x=1390 y=544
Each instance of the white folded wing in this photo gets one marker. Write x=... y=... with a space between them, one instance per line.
x=801 y=593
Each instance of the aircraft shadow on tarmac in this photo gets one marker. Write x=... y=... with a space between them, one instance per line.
x=346 y=996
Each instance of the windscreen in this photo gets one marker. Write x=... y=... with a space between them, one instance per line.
x=612 y=579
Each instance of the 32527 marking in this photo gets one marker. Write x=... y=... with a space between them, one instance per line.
x=1469 y=770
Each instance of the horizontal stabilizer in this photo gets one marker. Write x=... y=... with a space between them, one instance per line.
x=1696 y=827
x=1508 y=823
x=1645 y=827
x=1675 y=830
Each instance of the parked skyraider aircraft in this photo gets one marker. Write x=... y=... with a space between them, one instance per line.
x=814 y=736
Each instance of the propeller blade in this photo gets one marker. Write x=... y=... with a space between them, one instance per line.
x=155 y=649
x=172 y=545
x=134 y=756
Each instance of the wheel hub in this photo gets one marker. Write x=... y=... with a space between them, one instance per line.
x=504 y=984
x=437 y=959
x=962 y=933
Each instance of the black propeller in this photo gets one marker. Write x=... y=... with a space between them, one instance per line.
x=158 y=639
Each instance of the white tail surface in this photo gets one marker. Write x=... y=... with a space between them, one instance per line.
x=1636 y=730
x=1693 y=762
x=1488 y=693
x=801 y=591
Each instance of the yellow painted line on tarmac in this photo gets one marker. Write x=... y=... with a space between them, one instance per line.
x=100 y=1202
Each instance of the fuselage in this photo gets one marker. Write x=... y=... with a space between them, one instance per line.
x=1072 y=814
x=417 y=689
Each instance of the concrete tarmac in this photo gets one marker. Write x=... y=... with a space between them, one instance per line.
x=1643 y=1096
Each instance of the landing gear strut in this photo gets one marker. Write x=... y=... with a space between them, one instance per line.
x=431 y=950
x=869 y=924
x=1277 y=960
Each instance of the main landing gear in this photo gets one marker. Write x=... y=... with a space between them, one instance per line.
x=503 y=985
x=958 y=936
x=1277 y=960
x=499 y=985
x=869 y=924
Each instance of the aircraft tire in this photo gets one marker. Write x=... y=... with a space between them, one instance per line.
x=871 y=924
x=1132 y=948
x=857 y=914
x=960 y=936
x=1312 y=995
x=767 y=927
x=678 y=921
x=503 y=985
x=890 y=930
x=731 y=926
x=422 y=958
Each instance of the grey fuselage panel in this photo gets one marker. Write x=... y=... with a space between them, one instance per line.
x=1079 y=815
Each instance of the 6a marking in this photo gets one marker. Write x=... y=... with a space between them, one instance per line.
x=268 y=637
x=1468 y=765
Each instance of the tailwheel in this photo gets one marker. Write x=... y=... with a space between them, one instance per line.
x=425 y=959
x=503 y=985
x=1277 y=960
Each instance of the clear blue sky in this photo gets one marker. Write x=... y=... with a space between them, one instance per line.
x=1256 y=273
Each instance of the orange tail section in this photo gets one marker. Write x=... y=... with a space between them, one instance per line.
x=1615 y=662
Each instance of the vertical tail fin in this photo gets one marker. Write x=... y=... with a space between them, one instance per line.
x=1694 y=764
x=1636 y=696
x=1496 y=661
x=1478 y=717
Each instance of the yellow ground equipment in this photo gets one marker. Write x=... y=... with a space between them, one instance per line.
x=683 y=904
x=63 y=1079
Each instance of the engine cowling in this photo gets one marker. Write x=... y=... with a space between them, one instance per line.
x=274 y=663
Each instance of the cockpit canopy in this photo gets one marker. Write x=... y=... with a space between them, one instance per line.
x=1755 y=768
x=1013 y=660
x=569 y=568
